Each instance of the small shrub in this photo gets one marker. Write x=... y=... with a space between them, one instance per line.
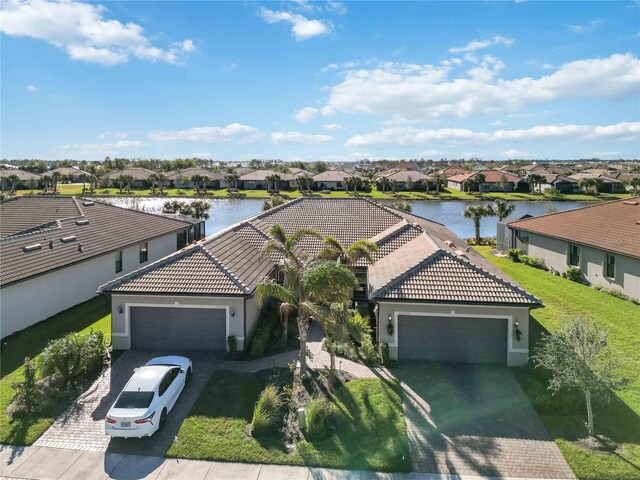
x=268 y=330
x=232 y=342
x=514 y=254
x=361 y=333
x=614 y=292
x=343 y=349
x=265 y=411
x=402 y=206
x=383 y=352
x=573 y=273
x=533 y=262
x=26 y=398
x=318 y=414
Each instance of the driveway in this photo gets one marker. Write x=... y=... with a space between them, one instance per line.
x=475 y=420
x=81 y=427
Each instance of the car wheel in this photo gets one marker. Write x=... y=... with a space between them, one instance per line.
x=163 y=418
x=188 y=377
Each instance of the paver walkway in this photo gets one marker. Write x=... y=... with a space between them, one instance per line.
x=41 y=463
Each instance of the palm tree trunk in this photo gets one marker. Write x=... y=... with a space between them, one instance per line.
x=303 y=328
x=476 y=224
x=285 y=326
x=590 y=426
x=332 y=363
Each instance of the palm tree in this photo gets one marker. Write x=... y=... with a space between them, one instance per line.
x=121 y=182
x=504 y=182
x=273 y=179
x=360 y=249
x=161 y=178
x=480 y=179
x=93 y=183
x=531 y=180
x=597 y=183
x=199 y=182
x=13 y=180
x=153 y=181
x=305 y=181
x=586 y=183
x=231 y=179
x=83 y=176
x=394 y=186
x=46 y=182
x=635 y=183
x=56 y=177
x=385 y=182
x=348 y=182
x=503 y=209
x=129 y=182
x=437 y=181
x=476 y=213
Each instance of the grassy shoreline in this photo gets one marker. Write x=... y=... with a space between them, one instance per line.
x=446 y=195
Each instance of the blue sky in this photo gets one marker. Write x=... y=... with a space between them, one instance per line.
x=320 y=80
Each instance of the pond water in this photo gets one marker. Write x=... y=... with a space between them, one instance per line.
x=225 y=212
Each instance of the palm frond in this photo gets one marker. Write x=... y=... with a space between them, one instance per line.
x=269 y=288
x=296 y=236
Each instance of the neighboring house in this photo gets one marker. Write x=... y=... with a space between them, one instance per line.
x=602 y=240
x=433 y=296
x=607 y=184
x=493 y=181
x=56 y=251
x=140 y=177
x=333 y=179
x=243 y=170
x=296 y=172
x=401 y=177
x=26 y=178
x=182 y=178
x=71 y=174
x=257 y=180
x=560 y=184
x=452 y=170
x=408 y=165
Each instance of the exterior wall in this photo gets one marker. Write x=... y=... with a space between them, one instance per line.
x=120 y=322
x=517 y=351
x=29 y=302
x=592 y=261
x=454 y=185
x=252 y=314
x=329 y=185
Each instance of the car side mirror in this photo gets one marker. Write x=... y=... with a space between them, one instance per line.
x=182 y=370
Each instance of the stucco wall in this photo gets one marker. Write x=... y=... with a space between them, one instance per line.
x=252 y=313
x=554 y=252
x=517 y=351
x=31 y=301
x=120 y=328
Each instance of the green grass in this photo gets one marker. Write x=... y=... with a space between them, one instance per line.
x=94 y=314
x=446 y=194
x=564 y=414
x=370 y=432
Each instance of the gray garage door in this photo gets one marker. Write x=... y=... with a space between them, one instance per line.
x=442 y=339
x=178 y=328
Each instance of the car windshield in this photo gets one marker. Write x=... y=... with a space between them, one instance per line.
x=134 y=400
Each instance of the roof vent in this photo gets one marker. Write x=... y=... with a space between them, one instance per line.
x=32 y=248
x=460 y=253
x=80 y=247
x=630 y=202
x=88 y=204
x=449 y=243
x=50 y=243
x=84 y=221
x=70 y=238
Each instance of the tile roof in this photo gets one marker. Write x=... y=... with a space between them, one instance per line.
x=138 y=173
x=70 y=171
x=232 y=262
x=22 y=174
x=190 y=172
x=491 y=176
x=404 y=175
x=334 y=176
x=261 y=175
x=611 y=226
x=70 y=230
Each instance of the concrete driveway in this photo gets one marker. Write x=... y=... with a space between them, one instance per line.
x=475 y=420
x=81 y=427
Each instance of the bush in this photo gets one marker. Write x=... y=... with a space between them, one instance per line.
x=74 y=356
x=402 y=206
x=26 y=398
x=614 y=292
x=574 y=274
x=383 y=352
x=533 y=262
x=265 y=411
x=232 y=342
x=514 y=254
x=361 y=332
x=318 y=415
x=267 y=332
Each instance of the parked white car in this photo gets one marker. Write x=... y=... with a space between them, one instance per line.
x=142 y=407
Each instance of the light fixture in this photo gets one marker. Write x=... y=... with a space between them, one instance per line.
x=120 y=309
x=517 y=331
x=390 y=325
x=232 y=312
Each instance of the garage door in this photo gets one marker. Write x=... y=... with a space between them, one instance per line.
x=442 y=339
x=178 y=328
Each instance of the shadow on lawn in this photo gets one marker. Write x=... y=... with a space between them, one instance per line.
x=565 y=412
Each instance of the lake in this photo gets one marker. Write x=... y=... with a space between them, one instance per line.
x=225 y=212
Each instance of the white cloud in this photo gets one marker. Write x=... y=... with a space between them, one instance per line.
x=513 y=153
x=302 y=28
x=306 y=114
x=244 y=134
x=32 y=88
x=121 y=146
x=110 y=134
x=229 y=68
x=411 y=136
x=298 y=138
x=498 y=123
x=200 y=155
x=482 y=44
x=82 y=30
x=332 y=126
x=425 y=91
x=585 y=28
x=337 y=7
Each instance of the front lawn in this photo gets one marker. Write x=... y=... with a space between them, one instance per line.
x=565 y=414
x=94 y=314
x=371 y=431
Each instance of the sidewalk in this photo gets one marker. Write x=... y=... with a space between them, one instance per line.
x=43 y=463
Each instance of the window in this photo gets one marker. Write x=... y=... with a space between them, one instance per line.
x=574 y=255
x=522 y=236
x=144 y=252
x=182 y=239
x=134 y=400
x=610 y=266
x=168 y=380
x=119 y=261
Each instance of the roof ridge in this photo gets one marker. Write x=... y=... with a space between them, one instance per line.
x=156 y=215
x=407 y=272
x=226 y=270
x=404 y=224
x=38 y=229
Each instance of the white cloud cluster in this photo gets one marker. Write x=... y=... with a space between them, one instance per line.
x=411 y=136
x=244 y=134
x=332 y=126
x=302 y=27
x=32 y=88
x=298 y=138
x=585 y=28
x=306 y=114
x=425 y=92
x=82 y=30
x=121 y=146
x=110 y=134
x=482 y=44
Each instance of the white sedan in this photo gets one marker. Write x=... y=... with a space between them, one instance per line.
x=142 y=407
